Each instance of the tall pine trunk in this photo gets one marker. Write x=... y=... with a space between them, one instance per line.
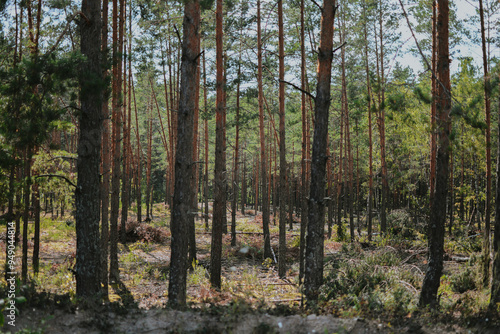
x=487 y=225
x=116 y=134
x=263 y=159
x=87 y=202
x=436 y=226
x=183 y=191
x=316 y=203
x=495 y=284
x=236 y=156
x=282 y=148
x=205 y=188
x=106 y=164
x=303 y=162
x=26 y=212
x=219 y=206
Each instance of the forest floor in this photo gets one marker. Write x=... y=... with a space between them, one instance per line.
x=369 y=287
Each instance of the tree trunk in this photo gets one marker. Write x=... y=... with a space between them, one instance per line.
x=106 y=164
x=381 y=121
x=236 y=156
x=282 y=148
x=127 y=118
x=329 y=180
x=303 y=163
x=315 y=229
x=116 y=133
x=205 y=188
x=36 y=240
x=149 y=204
x=219 y=206
x=347 y=129
x=432 y=179
x=495 y=284
x=10 y=218
x=87 y=203
x=244 y=184
x=27 y=188
x=485 y=263
x=194 y=179
x=263 y=159
x=183 y=191
x=436 y=226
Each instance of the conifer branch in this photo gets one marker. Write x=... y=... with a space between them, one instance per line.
x=429 y=68
x=65 y=31
x=59 y=176
x=299 y=89
x=317 y=4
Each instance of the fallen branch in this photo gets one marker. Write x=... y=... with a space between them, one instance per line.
x=285 y=300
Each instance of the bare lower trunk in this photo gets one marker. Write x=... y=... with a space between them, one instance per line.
x=183 y=191
x=87 y=202
x=263 y=159
x=316 y=215
x=219 y=206
x=436 y=226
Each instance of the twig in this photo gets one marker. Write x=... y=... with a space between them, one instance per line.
x=178 y=34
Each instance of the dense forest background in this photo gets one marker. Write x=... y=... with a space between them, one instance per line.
x=382 y=132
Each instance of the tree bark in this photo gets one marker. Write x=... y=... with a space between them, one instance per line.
x=116 y=153
x=219 y=206
x=348 y=145
x=263 y=158
x=183 y=191
x=486 y=256
x=205 y=188
x=88 y=280
x=36 y=240
x=282 y=148
x=495 y=284
x=436 y=226
x=303 y=163
x=432 y=179
x=127 y=117
x=26 y=195
x=316 y=203
x=236 y=156
x=106 y=164
x=381 y=124
x=148 y=162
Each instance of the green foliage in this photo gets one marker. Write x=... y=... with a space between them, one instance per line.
x=400 y=225
x=30 y=90
x=463 y=281
x=341 y=231
x=421 y=95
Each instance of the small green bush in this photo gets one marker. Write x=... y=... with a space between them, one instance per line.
x=463 y=281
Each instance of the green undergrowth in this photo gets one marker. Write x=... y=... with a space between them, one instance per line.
x=378 y=279
x=361 y=282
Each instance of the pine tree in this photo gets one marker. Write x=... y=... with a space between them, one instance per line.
x=316 y=203
x=88 y=282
